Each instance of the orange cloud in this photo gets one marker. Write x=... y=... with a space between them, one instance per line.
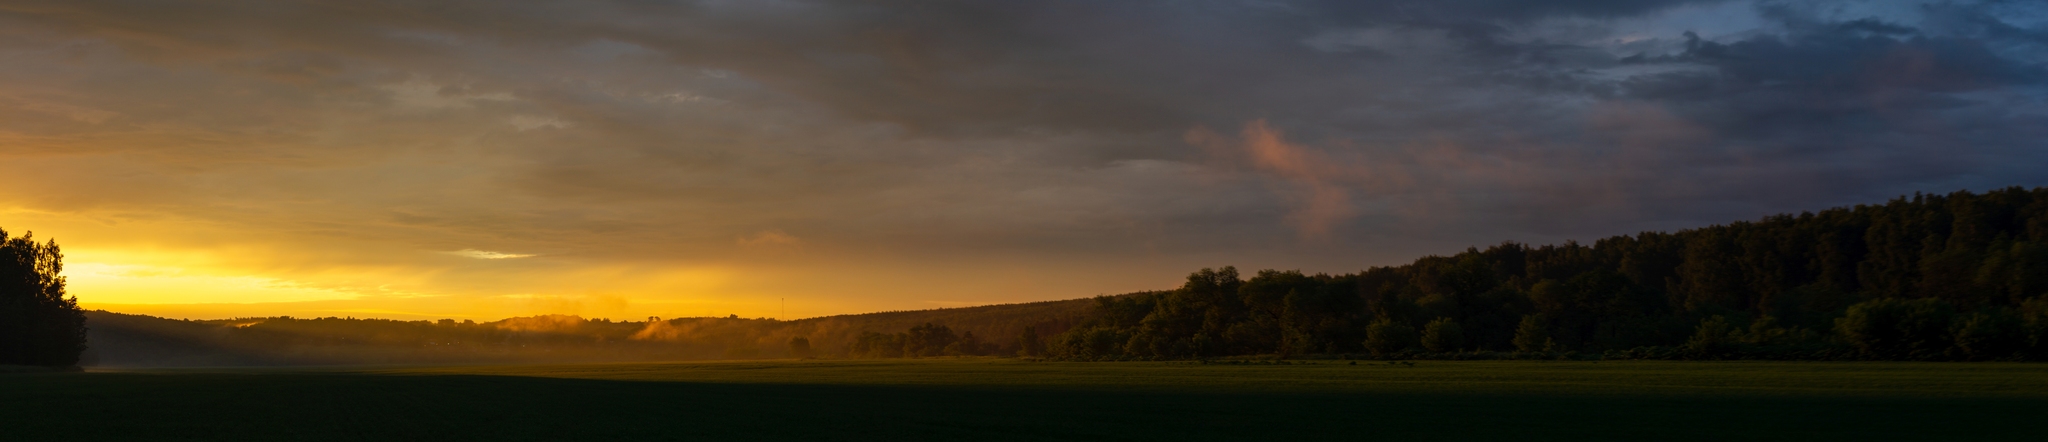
x=770 y=238
x=1319 y=201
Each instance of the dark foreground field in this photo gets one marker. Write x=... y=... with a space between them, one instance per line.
x=989 y=399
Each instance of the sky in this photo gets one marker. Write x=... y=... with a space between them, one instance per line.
x=784 y=158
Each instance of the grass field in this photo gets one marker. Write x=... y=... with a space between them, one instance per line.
x=995 y=399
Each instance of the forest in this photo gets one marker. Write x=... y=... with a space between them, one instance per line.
x=1960 y=276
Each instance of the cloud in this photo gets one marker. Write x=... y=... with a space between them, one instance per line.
x=421 y=94
x=1389 y=40
x=529 y=122
x=481 y=254
x=73 y=112
x=1002 y=140
x=1320 y=201
x=769 y=238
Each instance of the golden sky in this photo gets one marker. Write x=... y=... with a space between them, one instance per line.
x=482 y=159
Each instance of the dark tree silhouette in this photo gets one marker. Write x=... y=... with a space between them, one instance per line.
x=1029 y=344
x=38 y=324
x=928 y=340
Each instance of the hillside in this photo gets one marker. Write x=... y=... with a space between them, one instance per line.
x=135 y=340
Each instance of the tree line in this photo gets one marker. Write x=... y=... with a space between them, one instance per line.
x=931 y=339
x=136 y=340
x=1962 y=276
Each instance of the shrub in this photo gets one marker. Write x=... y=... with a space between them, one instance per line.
x=1894 y=328
x=1443 y=335
x=1089 y=344
x=2035 y=313
x=1387 y=337
x=1989 y=335
x=1533 y=335
x=1712 y=340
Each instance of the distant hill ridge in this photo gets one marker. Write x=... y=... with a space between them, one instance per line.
x=118 y=339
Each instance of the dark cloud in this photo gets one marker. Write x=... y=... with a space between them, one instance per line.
x=1873 y=106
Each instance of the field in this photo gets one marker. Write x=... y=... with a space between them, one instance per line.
x=1003 y=399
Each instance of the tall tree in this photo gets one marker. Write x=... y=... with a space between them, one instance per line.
x=1028 y=343
x=39 y=325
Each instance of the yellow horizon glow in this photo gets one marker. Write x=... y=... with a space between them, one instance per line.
x=145 y=284
x=130 y=267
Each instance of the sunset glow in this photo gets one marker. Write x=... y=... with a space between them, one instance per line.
x=800 y=159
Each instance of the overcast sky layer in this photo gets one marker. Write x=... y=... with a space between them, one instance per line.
x=482 y=159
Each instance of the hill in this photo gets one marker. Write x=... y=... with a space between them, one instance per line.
x=118 y=339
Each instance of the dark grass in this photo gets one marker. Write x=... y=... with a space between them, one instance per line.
x=983 y=399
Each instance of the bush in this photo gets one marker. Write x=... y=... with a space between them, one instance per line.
x=2035 y=313
x=1989 y=335
x=1533 y=335
x=1712 y=340
x=1387 y=337
x=1443 y=335
x=1898 y=328
x=1089 y=344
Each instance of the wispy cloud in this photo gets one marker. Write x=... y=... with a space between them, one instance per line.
x=1319 y=200
x=482 y=254
x=529 y=122
x=769 y=238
